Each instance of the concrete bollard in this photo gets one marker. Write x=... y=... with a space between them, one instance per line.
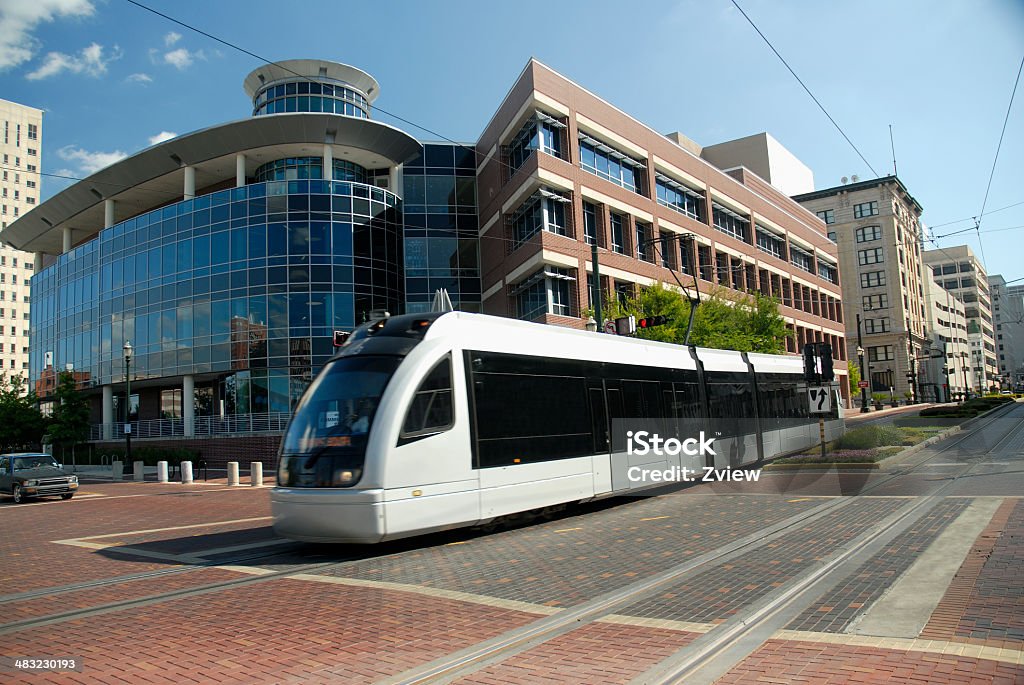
x=232 y=473
x=186 y=472
x=161 y=472
x=139 y=471
x=117 y=470
x=256 y=473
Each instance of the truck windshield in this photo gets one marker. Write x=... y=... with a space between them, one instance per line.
x=327 y=437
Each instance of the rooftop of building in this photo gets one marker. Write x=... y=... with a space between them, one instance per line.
x=862 y=185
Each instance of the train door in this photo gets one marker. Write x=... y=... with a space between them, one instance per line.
x=601 y=429
x=430 y=483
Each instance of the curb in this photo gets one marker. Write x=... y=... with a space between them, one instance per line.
x=822 y=466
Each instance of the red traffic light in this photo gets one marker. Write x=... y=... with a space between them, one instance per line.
x=651 y=321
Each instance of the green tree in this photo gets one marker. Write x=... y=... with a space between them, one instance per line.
x=724 y=320
x=21 y=424
x=70 y=423
x=853 y=371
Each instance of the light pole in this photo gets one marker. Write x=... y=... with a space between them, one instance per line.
x=863 y=390
x=128 y=402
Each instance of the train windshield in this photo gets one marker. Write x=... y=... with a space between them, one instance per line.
x=327 y=438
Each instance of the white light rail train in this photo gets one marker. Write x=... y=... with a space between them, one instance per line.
x=426 y=422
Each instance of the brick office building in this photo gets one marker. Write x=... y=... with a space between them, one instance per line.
x=560 y=168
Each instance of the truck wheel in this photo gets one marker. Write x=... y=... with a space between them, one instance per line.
x=67 y=495
x=17 y=494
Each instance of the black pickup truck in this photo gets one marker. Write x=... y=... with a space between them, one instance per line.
x=35 y=474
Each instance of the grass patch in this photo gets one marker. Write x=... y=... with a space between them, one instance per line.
x=866 y=445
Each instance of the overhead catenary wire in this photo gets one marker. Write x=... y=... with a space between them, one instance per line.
x=995 y=161
x=803 y=85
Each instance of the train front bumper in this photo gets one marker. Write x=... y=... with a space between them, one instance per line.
x=328 y=514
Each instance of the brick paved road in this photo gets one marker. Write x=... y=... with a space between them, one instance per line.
x=379 y=612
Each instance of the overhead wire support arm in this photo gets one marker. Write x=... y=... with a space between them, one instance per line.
x=694 y=301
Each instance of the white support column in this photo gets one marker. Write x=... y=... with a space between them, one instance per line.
x=395 y=180
x=108 y=213
x=328 y=162
x=66 y=237
x=37 y=262
x=190 y=182
x=239 y=170
x=188 y=402
x=108 y=412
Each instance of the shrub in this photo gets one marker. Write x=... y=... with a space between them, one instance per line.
x=862 y=438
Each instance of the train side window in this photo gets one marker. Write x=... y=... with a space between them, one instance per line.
x=431 y=408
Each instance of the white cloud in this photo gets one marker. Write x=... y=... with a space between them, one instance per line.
x=19 y=18
x=139 y=78
x=180 y=58
x=161 y=137
x=90 y=60
x=89 y=162
x=171 y=38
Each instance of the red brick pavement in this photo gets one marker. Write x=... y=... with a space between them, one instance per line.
x=984 y=603
x=597 y=654
x=789 y=662
x=32 y=561
x=91 y=597
x=278 y=631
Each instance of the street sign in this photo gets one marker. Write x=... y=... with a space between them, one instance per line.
x=862 y=384
x=609 y=327
x=819 y=400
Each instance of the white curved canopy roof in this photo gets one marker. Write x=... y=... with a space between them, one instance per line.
x=155 y=176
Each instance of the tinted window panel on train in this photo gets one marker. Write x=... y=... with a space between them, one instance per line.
x=524 y=417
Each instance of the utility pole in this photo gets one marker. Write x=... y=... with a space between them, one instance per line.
x=595 y=293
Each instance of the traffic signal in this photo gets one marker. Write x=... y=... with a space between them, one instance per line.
x=625 y=325
x=651 y=321
x=828 y=374
x=811 y=374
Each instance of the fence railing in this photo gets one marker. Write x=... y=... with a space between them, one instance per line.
x=205 y=426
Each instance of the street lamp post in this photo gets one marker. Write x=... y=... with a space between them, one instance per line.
x=128 y=402
x=860 y=357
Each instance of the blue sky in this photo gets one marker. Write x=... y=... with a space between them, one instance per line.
x=112 y=77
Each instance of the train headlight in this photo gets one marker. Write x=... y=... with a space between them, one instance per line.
x=346 y=476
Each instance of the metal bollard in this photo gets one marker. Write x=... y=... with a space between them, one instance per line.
x=186 y=472
x=161 y=472
x=256 y=474
x=139 y=471
x=232 y=473
x=117 y=470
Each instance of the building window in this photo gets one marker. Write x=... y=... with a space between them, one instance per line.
x=870 y=256
x=541 y=132
x=623 y=292
x=769 y=242
x=868 y=233
x=728 y=221
x=32 y=167
x=876 y=325
x=543 y=211
x=610 y=164
x=827 y=215
x=872 y=279
x=801 y=259
x=32 y=152
x=827 y=271
x=30 y=184
x=33 y=132
x=871 y=302
x=618 y=243
x=832 y=236
x=30 y=200
x=865 y=209
x=644 y=245
x=680 y=197
x=590 y=223
x=547 y=291
x=881 y=353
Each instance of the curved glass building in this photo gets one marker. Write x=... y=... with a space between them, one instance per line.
x=227 y=257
